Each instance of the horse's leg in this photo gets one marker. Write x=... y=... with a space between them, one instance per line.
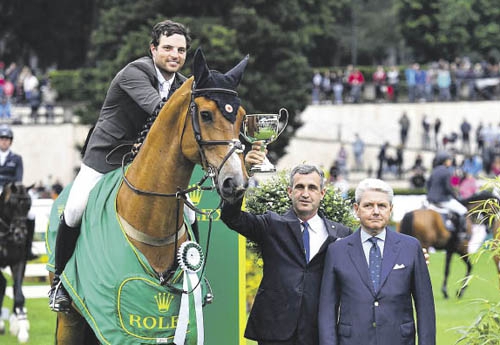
x=72 y=329
x=19 y=325
x=3 y=286
x=18 y=277
x=444 y=287
x=465 y=283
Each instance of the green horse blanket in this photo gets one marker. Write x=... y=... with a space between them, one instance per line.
x=113 y=285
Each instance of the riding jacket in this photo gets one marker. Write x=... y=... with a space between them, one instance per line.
x=439 y=187
x=12 y=169
x=132 y=97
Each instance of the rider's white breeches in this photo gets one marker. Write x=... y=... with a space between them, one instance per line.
x=455 y=206
x=79 y=194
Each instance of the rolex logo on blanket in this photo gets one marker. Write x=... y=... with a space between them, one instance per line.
x=114 y=287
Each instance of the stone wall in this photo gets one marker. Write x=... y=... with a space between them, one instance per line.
x=49 y=151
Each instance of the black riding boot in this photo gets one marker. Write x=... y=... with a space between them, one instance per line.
x=30 y=225
x=462 y=227
x=59 y=299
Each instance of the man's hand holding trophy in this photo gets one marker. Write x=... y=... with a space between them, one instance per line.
x=261 y=130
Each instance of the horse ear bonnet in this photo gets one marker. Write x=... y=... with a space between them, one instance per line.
x=205 y=78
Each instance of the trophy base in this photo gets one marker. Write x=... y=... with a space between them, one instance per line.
x=263 y=168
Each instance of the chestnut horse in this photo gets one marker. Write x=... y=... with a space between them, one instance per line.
x=199 y=124
x=428 y=227
x=15 y=203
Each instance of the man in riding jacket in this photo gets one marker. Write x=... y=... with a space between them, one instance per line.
x=135 y=96
x=11 y=170
x=11 y=164
x=439 y=189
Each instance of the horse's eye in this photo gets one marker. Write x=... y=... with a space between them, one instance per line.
x=206 y=116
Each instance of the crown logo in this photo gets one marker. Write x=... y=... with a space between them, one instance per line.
x=163 y=301
x=195 y=196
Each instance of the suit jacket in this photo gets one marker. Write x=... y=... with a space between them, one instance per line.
x=351 y=313
x=286 y=303
x=12 y=170
x=132 y=97
x=439 y=187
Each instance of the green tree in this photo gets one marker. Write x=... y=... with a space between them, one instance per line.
x=419 y=27
x=450 y=28
x=54 y=31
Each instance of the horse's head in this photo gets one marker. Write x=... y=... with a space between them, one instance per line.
x=15 y=203
x=216 y=120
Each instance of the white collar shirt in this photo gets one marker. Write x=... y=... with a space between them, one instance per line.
x=317 y=234
x=163 y=84
x=367 y=244
x=3 y=156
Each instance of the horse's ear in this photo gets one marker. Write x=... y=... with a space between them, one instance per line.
x=236 y=73
x=200 y=67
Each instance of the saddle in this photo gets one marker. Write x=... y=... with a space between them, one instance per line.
x=451 y=219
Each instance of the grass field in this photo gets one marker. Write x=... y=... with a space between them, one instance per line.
x=451 y=313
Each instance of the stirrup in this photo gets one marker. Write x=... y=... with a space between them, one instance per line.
x=59 y=300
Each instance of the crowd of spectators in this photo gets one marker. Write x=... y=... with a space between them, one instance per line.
x=476 y=153
x=21 y=85
x=436 y=81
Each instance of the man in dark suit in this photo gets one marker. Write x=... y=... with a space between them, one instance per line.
x=286 y=305
x=372 y=278
x=132 y=101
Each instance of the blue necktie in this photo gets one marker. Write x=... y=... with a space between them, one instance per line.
x=305 y=238
x=375 y=262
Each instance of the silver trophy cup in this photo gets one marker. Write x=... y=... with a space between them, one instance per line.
x=265 y=128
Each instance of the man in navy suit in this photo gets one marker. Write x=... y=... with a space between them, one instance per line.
x=356 y=307
x=285 y=310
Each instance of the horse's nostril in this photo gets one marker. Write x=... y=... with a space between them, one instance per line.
x=228 y=184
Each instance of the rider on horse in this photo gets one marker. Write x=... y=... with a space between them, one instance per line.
x=11 y=170
x=441 y=193
x=135 y=97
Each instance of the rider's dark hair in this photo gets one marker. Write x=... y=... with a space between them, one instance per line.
x=169 y=28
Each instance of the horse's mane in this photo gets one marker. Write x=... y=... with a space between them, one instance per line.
x=176 y=108
x=185 y=87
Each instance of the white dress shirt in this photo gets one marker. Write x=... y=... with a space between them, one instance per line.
x=365 y=240
x=317 y=235
x=3 y=156
x=163 y=84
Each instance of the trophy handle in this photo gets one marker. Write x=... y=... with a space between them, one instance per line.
x=284 y=110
